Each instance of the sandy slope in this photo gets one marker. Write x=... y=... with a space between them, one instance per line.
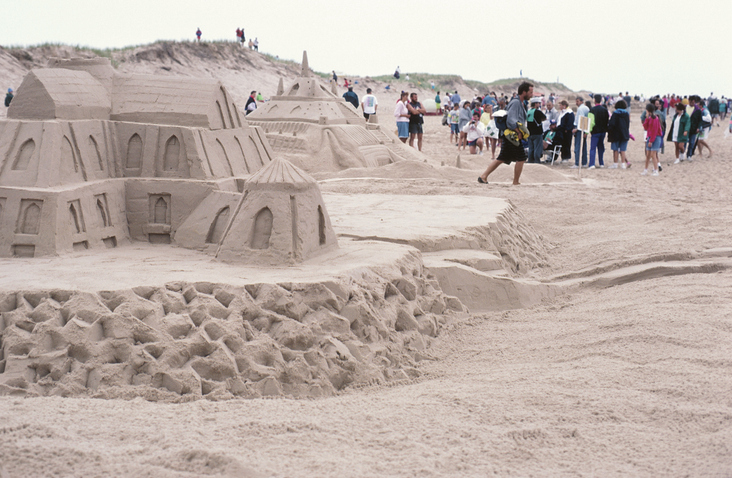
x=629 y=380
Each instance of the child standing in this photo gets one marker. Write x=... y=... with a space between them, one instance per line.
x=618 y=133
x=652 y=125
x=454 y=119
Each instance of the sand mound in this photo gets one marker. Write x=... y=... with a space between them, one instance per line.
x=184 y=341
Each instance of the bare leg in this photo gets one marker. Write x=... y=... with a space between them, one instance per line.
x=648 y=158
x=403 y=140
x=622 y=156
x=615 y=157
x=517 y=168
x=654 y=156
x=411 y=139
x=491 y=167
x=419 y=141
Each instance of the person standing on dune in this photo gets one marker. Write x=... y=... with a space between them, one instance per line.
x=198 y=34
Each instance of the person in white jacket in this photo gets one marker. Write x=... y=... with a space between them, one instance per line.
x=401 y=113
x=475 y=132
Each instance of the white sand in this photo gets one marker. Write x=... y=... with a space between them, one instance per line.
x=632 y=380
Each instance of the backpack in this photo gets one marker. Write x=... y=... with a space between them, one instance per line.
x=500 y=118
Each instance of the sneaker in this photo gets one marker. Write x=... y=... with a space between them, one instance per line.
x=644 y=173
x=613 y=166
x=623 y=165
x=659 y=167
x=678 y=160
x=574 y=166
x=629 y=165
x=654 y=173
x=591 y=167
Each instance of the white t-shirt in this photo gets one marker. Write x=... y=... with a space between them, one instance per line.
x=369 y=104
x=401 y=109
x=677 y=126
x=474 y=131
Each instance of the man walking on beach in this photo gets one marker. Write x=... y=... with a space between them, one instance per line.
x=516 y=122
x=599 y=129
x=416 y=110
x=369 y=104
x=582 y=111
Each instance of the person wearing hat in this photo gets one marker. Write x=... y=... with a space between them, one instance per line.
x=9 y=97
x=550 y=134
x=534 y=119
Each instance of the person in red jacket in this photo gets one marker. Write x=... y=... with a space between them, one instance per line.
x=652 y=125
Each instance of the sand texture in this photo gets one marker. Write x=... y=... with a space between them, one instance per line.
x=598 y=341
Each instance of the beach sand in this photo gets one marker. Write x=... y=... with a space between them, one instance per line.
x=629 y=380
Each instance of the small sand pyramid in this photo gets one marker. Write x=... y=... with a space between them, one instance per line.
x=281 y=219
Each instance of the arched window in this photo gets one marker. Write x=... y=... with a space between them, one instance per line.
x=93 y=144
x=262 y=229
x=74 y=218
x=216 y=231
x=24 y=155
x=31 y=219
x=67 y=154
x=102 y=213
x=172 y=153
x=161 y=211
x=134 y=152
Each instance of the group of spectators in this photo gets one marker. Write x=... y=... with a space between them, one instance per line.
x=479 y=123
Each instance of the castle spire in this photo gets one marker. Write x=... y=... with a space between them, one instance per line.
x=305 y=66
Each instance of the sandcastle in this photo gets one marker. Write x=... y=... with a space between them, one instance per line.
x=319 y=131
x=91 y=159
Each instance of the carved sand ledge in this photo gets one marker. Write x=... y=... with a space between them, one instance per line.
x=186 y=341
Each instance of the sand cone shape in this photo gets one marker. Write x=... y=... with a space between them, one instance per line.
x=280 y=88
x=305 y=66
x=333 y=87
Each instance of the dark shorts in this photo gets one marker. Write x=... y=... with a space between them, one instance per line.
x=473 y=143
x=510 y=153
x=415 y=128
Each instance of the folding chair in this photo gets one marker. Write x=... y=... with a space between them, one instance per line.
x=555 y=153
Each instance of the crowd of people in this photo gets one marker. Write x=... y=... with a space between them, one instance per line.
x=549 y=127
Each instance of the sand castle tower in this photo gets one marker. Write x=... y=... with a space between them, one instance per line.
x=318 y=130
x=280 y=218
x=89 y=158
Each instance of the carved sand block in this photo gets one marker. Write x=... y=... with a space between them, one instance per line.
x=87 y=154
x=317 y=130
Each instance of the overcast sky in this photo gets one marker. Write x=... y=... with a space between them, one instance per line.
x=643 y=46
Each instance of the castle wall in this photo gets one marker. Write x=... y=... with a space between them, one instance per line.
x=157 y=207
x=41 y=222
